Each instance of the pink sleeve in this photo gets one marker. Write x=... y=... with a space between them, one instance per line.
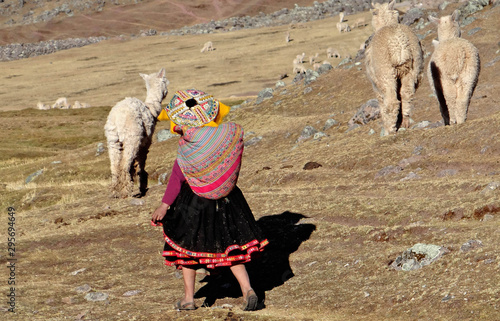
x=174 y=184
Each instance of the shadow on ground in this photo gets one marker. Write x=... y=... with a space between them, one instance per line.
x=271 y=269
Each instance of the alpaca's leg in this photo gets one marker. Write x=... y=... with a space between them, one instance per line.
x=127 y=169
x=407 y=94
x=450 y=95
x=115 y=154
x=390 y=109
x=435 y=80
x=464 y=93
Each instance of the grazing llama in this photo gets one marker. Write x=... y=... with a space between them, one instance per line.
x=453 y=70
x=209 y=46
x=129 y=130
x=394 y=65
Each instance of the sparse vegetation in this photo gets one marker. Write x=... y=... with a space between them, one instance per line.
x=347 y=219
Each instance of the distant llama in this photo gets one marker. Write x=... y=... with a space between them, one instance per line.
x=343 y=27
x=394 y=65
x=208 y=46
x=129 y=130
x=453 y=70
x=61 y=103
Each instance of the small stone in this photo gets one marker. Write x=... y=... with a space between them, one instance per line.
x=487 y=217
x=329 y=123
x=279 y=84
x=319 y=135
x=311 y=165
x=371 y=131
x=447 y=298
x=33 y=176
x=164 y=135
x=307 y=90
x=253 y=141
x=132 y=292
x=366 y=294
x=471 y=245
x=83 y=288
x=312 y=263
x=447 y=172
x=137 y=202
x=56 y=162
x=100 y=149
x=78 y=271
x=96 y=296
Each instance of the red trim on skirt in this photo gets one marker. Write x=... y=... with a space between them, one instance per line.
x=212 y=260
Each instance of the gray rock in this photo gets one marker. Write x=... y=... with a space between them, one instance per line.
x=307 y=133
x=279 y=83
x=137 y=202
x=410 y=176
x=418 y=256
x=367 y=112
x=100 y=149
x=264 y=94
x=324 y=68
x=388 y=170
x=164 y=134
x=447 y=172
x=310 y=76
x=96 y=296
x=31 y=177
x=132 y=292
x=319 y=135
x=473 y=31
x=78 y=271
x=443 y=5
x=329 y=123
x=467 y=21
x=471 y=245
x=252 y=141
x=371 y=131
x=162 y=178
x=421 y=124
x=83 y=288
x=307 y=90
x=412 y=15
x=56 y=162
x=490 y=188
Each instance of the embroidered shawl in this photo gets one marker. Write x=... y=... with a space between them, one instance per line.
x=210 y=158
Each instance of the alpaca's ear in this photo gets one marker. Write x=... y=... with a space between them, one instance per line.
x=455 y=15
x=144 y=76
x=435 y=43
x=434 y=19
x=391 y=4
x=161 y=73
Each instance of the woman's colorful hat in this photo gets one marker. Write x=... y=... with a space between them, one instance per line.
x=192 y=107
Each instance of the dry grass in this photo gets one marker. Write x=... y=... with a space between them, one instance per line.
x=349 y=224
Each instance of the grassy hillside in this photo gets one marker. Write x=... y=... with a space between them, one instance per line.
x=334 y=229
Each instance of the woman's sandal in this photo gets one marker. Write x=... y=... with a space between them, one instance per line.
x=251 y=301
x=186 y=306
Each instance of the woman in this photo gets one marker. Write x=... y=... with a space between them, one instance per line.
x=205 y=217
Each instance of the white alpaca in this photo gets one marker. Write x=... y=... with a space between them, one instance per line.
x=299 y=69
x=208 y=47
x=129 y=130
x=453 y=70
x=393 y=62
x=61 y=103
x=341 y=17
x=42 y=106
x=78 y=105
x=359 y=22
x=332 y=53
x=343 y=27
x=312 y=59
x=300 y=58
x=287 y=37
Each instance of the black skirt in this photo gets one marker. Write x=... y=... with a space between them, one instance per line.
x=209 y=232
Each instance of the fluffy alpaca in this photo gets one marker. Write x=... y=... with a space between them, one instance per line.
x=394 y=65
x=453 y=70
x=208 y=46
x=129 y=130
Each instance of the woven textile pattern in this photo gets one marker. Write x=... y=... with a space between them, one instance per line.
x=204 y=112
x=210 y=158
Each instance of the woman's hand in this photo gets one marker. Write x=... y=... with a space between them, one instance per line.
x=160 y=212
